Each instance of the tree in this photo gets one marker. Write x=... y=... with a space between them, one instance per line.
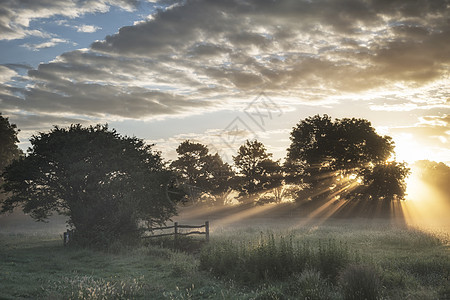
x=436 y=174
x=191 y=162
x=9 y=150
x=385 y=182
x=337 y=155
x=105 y=183
x=220 y=179
x=259 y=173
x=203 y=174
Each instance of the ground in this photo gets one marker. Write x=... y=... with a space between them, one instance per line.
x=412 y=263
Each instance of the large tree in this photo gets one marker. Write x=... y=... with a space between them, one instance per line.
x=259 y=173
x=203 y=174
x=191 y=162
x=105 y=183
x=341 y=155
x=220 y=179
x=8 y=142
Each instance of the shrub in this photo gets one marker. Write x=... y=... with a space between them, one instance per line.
x=360 y=282
x=272 y=259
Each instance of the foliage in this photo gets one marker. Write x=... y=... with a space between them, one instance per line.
x=272 y=259
x=8 y=137
x=385 y=181
x=327 y=155
x=105 y=183
x=191 y=162
x=360 y=282
x=411 y=265
x=259 y=173
x=203 y=173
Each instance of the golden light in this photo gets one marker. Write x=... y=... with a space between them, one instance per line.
x=425 y=207
x=408 y=149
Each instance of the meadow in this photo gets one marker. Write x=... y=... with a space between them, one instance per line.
x=259 y=259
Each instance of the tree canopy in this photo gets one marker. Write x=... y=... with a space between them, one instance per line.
x=202 y=173
x=259 y=173
x=8 y=147
x=327 y=151
x=105 y=183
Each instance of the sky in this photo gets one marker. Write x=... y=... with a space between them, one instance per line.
x=220 y=72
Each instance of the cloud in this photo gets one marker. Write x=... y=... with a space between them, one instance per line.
x=48 y=44
x=6 y=74
x=429 y=139
x=16 y=15
x=350 y=45
x=207 y=55
x=87 y=28
x=431 y=130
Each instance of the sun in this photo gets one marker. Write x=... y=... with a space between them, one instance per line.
x=409 y=150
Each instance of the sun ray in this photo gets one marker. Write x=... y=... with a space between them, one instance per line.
x=426 y=207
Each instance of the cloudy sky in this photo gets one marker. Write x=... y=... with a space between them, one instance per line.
x=221 y=71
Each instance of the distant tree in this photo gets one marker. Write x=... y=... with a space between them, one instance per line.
x=258 y=172
x=202 y=173
x=191 y=162
x=105 y=183
x=384 y=182
x=327 y=155
x=9 y=150
x=436 y=174
x=220 y=179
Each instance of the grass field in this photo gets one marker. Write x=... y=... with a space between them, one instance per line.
x=404 y=263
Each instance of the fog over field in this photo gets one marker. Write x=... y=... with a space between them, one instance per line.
x=225 y=149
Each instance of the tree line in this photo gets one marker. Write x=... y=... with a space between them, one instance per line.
x=341 y=158
x=109 y=185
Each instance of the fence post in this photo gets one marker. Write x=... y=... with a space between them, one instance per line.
x=176 y=233
x=207 y=230
x=66 y=238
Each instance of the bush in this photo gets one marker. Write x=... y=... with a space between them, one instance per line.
x=272 y=259
x=360 y=282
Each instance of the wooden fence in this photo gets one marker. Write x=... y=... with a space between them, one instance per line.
x=177 y=233
x=68 y=235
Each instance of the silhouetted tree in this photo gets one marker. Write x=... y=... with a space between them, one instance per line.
x=326 y=156
x=105 y=183
x=9 y=150
x=191 y=162
x=8 y=143
x=203 y=174
x=436 y=174
x=385 y=181
x=220 y=179
x=259 y=173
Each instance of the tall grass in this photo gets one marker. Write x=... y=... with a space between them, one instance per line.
x=272 y=258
